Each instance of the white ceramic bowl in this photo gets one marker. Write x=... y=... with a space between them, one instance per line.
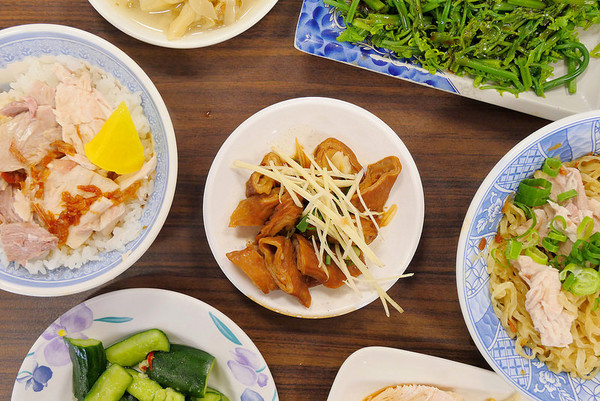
x=372 y=368
x=312 y=120
x=240 y=371
x=568 y=139
x=19 y=42
x=135 y=29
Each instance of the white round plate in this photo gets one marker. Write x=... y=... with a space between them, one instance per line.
x=311 y=120
x=373 y=368
x=240 y=372
x=120 y=20
x=41 y=40
x=568 y=139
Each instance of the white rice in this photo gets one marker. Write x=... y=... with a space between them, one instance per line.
x=42 y=69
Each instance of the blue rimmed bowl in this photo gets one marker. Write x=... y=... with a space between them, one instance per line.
x=37 y=40
x=569 y=138
x=240 y=371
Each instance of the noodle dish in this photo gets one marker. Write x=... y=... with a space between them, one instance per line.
x=528 y=262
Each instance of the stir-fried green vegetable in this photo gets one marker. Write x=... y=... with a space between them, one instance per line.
x=508 y=45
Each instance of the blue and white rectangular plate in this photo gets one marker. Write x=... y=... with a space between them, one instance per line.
x=319 y=25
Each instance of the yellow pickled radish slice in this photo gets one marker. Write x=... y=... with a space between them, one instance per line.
x=117 y=146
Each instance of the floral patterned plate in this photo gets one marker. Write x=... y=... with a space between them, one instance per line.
x=568 y=139
x=240 y=371
x=319 y=26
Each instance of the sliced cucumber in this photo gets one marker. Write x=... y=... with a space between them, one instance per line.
x=111 y=385
x=128 y=397
x=211 y=395
x=89 y=361
x=183 y=368
x=142 y=387
x=168 y=394
x=134 y=349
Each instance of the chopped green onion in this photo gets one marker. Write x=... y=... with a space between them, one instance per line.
x=530 y=215
x=302 y=224
x=531 y=239
x=576 y=253
x=551 y=166
x=596 y=304
x=585 y=228
x=566 y=285
x=327 y=259
x=556 y=236
x=570 y=268
x=503 y=263
x=593 y=250
x=533 y=191
x=537 y=255
x=560 y=219
x=587 y=282
x=513 y=249
x=550 y=244
x=566 y=195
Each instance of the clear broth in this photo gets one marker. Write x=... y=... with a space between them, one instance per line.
x=160 y=20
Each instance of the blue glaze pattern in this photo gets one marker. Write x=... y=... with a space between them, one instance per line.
x=318 y=28
x=22 y=44
x=573 y=139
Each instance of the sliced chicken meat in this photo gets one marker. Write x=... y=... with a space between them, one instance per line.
x=81 y=110
x=543 y=302
x=25 y=241
x=414 y=392
x=67 y=176
x=26 y=137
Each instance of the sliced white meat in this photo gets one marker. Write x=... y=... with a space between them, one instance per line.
x=25 y=241
x=414 y=392
x=88 y=223
x=66 y=176
x=42 y=93
x=565 y=182
x=126 y=180
x=110 y=218
x=573 y=210
x=541 y=225
x=22 y=205
x=80 y=109
x=31 y=136
x=27 y=104
x=542 y=301
x=8 y=214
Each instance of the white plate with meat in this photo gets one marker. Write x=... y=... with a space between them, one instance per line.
x=310 y=121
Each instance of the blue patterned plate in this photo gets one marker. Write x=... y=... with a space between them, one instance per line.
x=240 y=371
x=568 y=139
x=319 y=26
x=19 y=42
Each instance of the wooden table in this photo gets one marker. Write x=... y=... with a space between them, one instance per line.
x=209 y=92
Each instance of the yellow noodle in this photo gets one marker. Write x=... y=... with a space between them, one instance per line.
x=508 y=290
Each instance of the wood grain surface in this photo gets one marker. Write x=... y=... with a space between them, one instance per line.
x=455 y=142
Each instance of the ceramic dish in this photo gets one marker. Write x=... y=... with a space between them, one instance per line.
x=19 y=42
x=148 y=34
x=319 y=26
x=568 y=139
x=373 y=368
x=240 y=372
x=312 y=120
